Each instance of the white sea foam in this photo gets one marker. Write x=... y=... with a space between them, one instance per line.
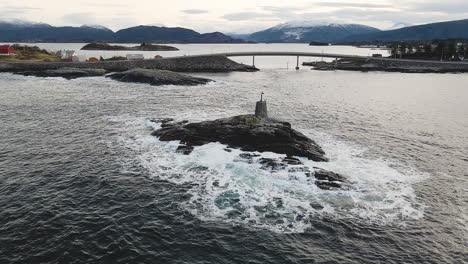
x=227 y=188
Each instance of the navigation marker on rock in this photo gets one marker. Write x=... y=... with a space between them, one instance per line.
x=261 y=108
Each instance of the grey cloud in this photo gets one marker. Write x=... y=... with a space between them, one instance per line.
x=246 y=16
x=11 y=11
x=357 y=5
x=108 y=5
x=79 y=18
x=20 y=8
x=444 y=7
x=195 y=11
x=280 y=9
x=366 y=16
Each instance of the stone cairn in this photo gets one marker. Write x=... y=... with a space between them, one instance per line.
x=261 y=108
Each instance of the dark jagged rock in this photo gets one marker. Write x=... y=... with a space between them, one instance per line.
x=327 y=180
x=67 y=73
x=272 y=164
x=246 y=132
x=157 y=77
x=248 y=155
x=291 y=161
x=322 y=178
x=185 y=149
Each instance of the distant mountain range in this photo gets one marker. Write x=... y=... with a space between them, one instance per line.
x=15 y=30
x=23 y=31
x=444 y=30
x=304 y=31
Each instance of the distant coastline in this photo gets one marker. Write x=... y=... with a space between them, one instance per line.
x=142 y=47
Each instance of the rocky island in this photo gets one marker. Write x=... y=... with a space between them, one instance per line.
x=157 y=77
x=142 y=47
x=247 y=132
x=254 y=133
x=67 y=73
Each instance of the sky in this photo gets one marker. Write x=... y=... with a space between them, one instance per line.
x=238 y=16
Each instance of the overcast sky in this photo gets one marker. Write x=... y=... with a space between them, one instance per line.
x=242 y=16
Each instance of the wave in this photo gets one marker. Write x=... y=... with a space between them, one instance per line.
x=224 y=187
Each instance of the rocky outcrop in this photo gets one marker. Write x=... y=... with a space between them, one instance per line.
x=250 y=133
x=389 y=65
x=246 y=132
x=157 y=77
x=215 y=63
x=67 y=73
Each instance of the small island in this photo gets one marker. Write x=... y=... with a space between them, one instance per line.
x=255 y=134
x=157 y=77
x=142 y=47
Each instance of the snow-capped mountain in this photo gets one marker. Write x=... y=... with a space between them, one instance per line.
x=306 y=31
x=301 y=24
x=18 y=23
x=15 y=30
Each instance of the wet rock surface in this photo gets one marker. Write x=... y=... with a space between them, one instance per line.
x=246 y=132
x=252 y=134
x=327 y=180
x=157 y=77
x=67 y=73
x=324 y=179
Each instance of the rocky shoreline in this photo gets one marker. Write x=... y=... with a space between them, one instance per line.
x=253 y=134
x=388 y=65
x=67 y=73
x=247 y=132
x=177 y=64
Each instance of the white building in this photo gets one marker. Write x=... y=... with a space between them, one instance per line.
x=135 y=57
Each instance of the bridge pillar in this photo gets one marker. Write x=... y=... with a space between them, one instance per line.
x=253 y=61
x=336 y=62
x=297 y=64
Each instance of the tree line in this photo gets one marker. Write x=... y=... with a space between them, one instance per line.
x=446 y=50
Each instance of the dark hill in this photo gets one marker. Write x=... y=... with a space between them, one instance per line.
x=215 y=37
x=37 y=32
x=154 y=34
x=443 y=30
x=54 y=34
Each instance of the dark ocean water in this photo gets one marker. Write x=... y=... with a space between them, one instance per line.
x=82 y=181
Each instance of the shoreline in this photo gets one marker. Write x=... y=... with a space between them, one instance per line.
x=177 y=64
x=390 y=65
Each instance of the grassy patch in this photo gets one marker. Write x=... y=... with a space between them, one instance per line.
x=29 y=53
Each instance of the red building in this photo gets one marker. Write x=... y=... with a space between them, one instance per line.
x=6 y=49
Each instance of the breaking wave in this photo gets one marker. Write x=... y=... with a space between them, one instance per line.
x=224 y=187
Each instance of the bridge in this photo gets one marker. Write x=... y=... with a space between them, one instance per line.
x=335 y=56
